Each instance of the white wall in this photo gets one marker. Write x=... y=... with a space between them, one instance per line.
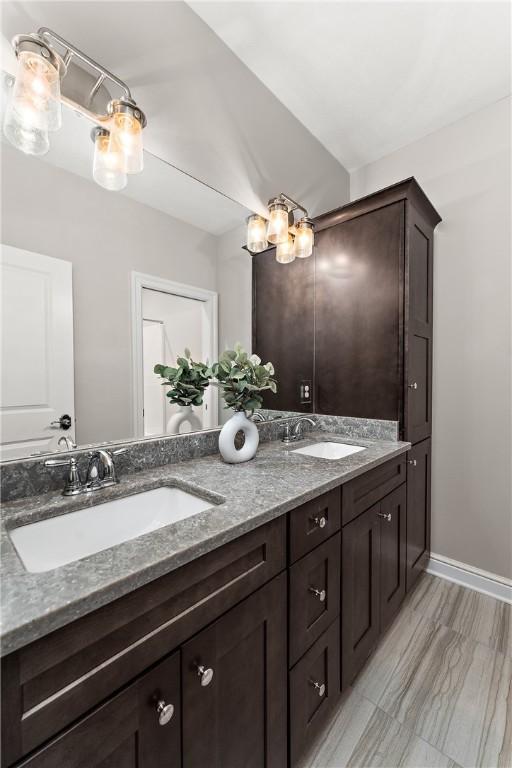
x=106 y=236
x=465 y=171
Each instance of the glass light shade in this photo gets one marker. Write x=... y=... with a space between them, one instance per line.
x=284 y=251
x=126 y=130
x=35 y=107
x=108 y=165
x=256 y=233
x=277 y=229
x=304 y=239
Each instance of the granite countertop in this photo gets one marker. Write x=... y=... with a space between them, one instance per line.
x=243 y=497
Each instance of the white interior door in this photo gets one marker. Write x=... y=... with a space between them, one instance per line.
x=37 y=378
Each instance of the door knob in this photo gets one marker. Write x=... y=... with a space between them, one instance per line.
x=205 y=674
x=319 y=687
x=320 y=593
x=165 y=712
x=385 y=517
x=412 y=462
x=63 y=423
x=414 y=385
x=319 y=522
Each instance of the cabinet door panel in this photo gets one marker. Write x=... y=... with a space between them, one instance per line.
x=239 y=718
x=392 y=554
x=124 y=731
x=358 y=315
x=418 y=510
x=360 y=591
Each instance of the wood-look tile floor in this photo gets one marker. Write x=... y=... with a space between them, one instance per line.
x=436 y=693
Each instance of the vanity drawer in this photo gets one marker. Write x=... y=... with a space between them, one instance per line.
x=361 y=493
x=314 y=691
x=314 y=595
x=54 y=680
x=314 y=522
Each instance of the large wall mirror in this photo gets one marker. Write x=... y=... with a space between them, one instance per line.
x=98 y=287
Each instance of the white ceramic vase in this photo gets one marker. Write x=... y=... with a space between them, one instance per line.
x=238 y=422
x=185 y=414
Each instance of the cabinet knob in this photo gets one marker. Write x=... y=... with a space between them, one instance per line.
x=320 y=593
x=319 y=687
x=205 y=674
x=412 y=462
x=319 y=522
x=385 y=517
x=165 y=712
x=414 y=385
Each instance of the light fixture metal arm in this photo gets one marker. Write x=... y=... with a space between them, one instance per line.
x=71 y=50
x=295 y=205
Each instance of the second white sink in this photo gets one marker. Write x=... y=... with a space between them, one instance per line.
x=329 y=450
x=51 y=543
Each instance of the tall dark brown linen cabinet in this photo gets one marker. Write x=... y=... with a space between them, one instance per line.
x=356 y=320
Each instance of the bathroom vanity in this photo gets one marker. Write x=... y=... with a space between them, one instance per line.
x=228 y=639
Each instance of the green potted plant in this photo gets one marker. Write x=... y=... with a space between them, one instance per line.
x=187 y=381
x=241 y=379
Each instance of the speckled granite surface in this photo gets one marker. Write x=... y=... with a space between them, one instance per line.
x=243 y=497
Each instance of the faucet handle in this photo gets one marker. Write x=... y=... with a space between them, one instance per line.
x=74 y=483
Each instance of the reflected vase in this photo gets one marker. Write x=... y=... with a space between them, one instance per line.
x=183 y=416
x=227 y=446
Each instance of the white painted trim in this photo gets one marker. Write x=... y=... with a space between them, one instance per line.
x=491 y=584
x=210 y=299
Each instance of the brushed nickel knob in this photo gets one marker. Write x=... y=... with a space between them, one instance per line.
x=320 y=593
x=412 y=462
x=319 y=687
x=205 y=674
x=385 y=517
x=414 y=385
x=319 y=522
x=165 y=712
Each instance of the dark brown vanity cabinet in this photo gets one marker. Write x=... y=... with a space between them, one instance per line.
x=373 y=576
x=418 y=510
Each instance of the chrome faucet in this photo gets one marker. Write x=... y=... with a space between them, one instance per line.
x=257 y=416
x=67 y=441
x=295 y=433
x=101 y=472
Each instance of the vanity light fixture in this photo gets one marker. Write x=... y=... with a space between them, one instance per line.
x=292 y=239
x=43 y=59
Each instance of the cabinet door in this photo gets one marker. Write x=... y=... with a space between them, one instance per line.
x=418 y=318
x=234 y=686
x=358 y=315
x=360 y=591
x=418 y=510
x=124 y=732
x=283 y=327
x=392 y=553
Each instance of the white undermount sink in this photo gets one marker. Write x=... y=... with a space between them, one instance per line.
x=51 y=543
x=329 y=450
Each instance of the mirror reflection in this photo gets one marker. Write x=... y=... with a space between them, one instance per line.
x=98 y=287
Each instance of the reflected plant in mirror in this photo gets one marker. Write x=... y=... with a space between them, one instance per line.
x=188 y=381
x=241 y=378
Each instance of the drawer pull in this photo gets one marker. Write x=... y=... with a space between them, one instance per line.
x=414 y=385
x=319 y=522
x=412 y=462
x=165 y=712
x=319 y=687
x=205 y=674
x=385 y=517
x=320 y=593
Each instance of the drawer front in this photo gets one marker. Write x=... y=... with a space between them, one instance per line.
x=314 y=595
x=364 y=491
x=314 y=691
x=314 y=522
x=55 y=680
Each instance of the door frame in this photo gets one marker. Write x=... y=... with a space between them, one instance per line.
x=139 y=281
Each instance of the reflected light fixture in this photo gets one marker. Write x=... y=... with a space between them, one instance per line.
x=292 y=239
x=34 y=108
x=256 y=233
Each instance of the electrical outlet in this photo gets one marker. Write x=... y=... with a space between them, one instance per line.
x=306 y=391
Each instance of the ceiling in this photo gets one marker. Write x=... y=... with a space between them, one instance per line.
x=366 y=78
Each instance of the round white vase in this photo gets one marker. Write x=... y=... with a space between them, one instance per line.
x=238 y=422
x=184 y=415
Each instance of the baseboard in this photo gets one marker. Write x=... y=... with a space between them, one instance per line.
x=471 y=577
